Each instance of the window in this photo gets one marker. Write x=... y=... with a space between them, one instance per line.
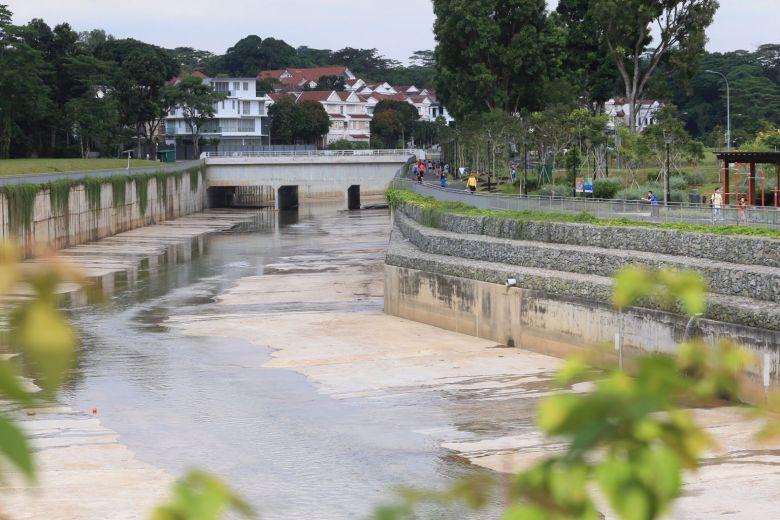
x=341 y=109
x=223 y=105
x=236 y=85
x=222 y=86
x=246 y=107
x=246 y=85
x=233 y=104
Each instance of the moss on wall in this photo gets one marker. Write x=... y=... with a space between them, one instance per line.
x=21 y=197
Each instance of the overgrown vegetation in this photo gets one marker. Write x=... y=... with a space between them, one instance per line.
x=433 y=209
x=21 y=197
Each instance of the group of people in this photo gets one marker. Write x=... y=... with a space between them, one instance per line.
x=716 y=203
x=438 y=168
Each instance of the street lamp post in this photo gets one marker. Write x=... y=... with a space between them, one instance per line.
x=728 y=107
x=525 y=166
x=667 y=191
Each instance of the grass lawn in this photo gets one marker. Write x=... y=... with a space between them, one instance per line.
x=32 y=166
x=433 y=207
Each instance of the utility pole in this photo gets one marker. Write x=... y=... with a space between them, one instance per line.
x=525 y=167
x=728 y=107
x=667 y=191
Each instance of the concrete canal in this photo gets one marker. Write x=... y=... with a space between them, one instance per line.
x=261 y=353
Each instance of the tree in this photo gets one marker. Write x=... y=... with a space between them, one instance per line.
x=627 y=27
x=190 y=59
x=196 y=101
x=494 y=54
x=252 y=54
x=405 y=112
x=387 y=127
x=313 y=123
x=367 y=63
x=285 y=120
x=586 y=53
x=330 y=83
x=92 y=108
x=140 y=74
x=25 y=94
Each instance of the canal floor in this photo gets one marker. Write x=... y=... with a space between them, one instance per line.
x=262 y=354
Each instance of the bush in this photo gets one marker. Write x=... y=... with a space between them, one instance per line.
x=554 y=190
x=678 y=182
x=606 y=188
x=345 y=144
x=697 y=179
x=631 y=194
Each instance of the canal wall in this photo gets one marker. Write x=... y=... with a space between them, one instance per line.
x=71 y=211
x=451 y=271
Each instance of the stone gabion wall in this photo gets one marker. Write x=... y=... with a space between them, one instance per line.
x=720 y=248
x=749 y=281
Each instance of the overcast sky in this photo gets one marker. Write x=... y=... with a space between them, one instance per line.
x=397 y=28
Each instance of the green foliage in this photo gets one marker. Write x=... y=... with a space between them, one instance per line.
x=142 y=192
x=200 y=496
x=345 y=144
x=398 y=197
x=195 y=176
x=606 y=188
x=93 y=187
x=21 y=206
x=196 y=102
x=119 y=189
x=493 y=55
x=293 y=122
x=44 y=340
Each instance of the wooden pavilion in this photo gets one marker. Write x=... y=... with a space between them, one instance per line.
x=751 y=159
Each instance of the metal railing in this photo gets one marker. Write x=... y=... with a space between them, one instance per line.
x=603 y=208
x=310 y=153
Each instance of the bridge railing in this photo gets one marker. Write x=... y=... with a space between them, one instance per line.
x=310 y=153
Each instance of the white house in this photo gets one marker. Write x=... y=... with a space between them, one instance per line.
x=618 y=109
x=241 y=120
x=348 y=113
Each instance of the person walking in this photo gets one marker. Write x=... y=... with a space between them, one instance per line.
x=472 y=183
x=654 y=206
x=443 y=179
x=716 y=199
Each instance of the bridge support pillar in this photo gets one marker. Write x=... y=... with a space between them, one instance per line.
x=287 y=197
x=353 y=197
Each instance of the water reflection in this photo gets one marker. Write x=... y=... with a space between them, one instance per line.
x=179 y=401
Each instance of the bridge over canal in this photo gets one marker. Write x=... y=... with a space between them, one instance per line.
x=286 y=177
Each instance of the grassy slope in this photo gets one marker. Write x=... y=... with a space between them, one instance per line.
x=33 y=166
x=396 y=197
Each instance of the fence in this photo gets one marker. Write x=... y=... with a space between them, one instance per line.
x=309 y=153
x=603 y=208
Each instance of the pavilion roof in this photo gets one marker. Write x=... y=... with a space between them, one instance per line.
x=736 y=156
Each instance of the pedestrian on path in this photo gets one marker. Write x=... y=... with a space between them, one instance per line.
x=716 y=199
x=741 y=210
x=654 y=206
x=472 y=183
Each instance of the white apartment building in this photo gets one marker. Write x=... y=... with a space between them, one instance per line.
x=619 y=109
x=240 y=121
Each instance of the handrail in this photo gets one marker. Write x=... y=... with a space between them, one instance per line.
x=309 y=153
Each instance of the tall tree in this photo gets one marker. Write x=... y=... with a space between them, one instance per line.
x=196 y=102
x=493 y=54
x=25 y=94
x=586 y=59
x=314 y=122
x=285 y=120
x=627 y=27
x=141 y=73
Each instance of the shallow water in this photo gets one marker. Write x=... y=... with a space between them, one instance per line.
x=180 y=402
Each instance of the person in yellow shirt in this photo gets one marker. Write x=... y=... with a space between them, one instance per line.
x=472 y=182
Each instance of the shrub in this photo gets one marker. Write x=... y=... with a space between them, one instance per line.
x=606 y=188
x=678 y=182
x=554 y=190
x=697 y=179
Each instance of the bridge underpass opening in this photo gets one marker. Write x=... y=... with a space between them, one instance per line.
x=287 y=197
x=353 y=197
x=241 y=196
x=220 y=196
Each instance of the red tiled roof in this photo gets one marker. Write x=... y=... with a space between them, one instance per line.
x=336 y=116
x=315 y=95
x=393 y=97
x=360 y=136
x=360 y=116
x=312 y=74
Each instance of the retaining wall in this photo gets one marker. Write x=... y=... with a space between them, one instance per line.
x=87 y=217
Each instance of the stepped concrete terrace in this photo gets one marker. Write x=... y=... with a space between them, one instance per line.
x=451 y=271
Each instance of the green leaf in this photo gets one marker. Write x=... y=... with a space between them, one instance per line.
x=13 y=444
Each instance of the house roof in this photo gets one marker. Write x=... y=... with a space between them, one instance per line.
x=310 y=74
x=360 y=116
x=360 y=136
x=315 y=95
